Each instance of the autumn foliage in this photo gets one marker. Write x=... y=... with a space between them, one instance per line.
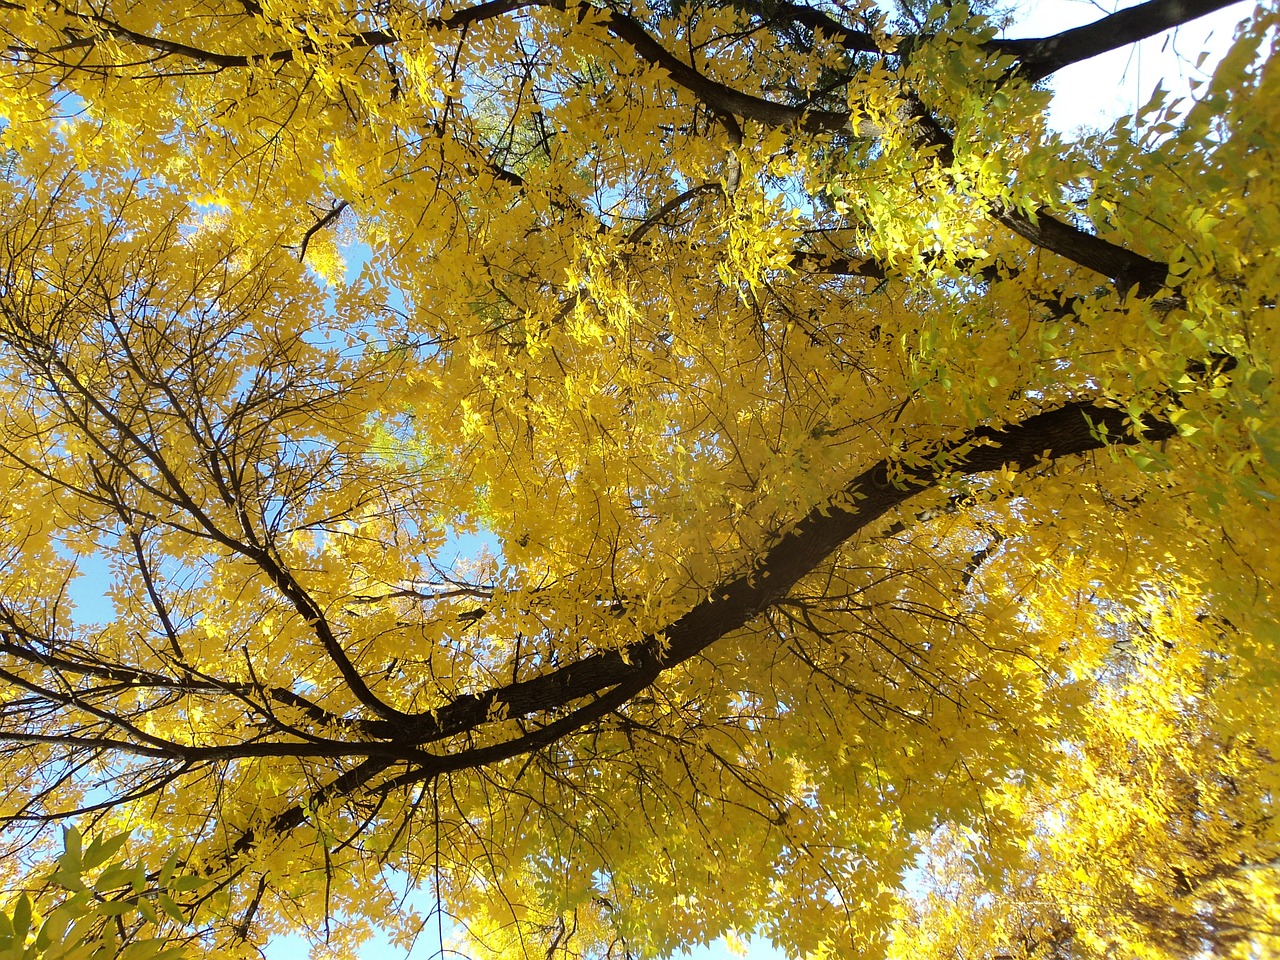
x=638 y=472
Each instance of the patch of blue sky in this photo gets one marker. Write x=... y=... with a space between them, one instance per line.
x=88 y=590
x=432 y=942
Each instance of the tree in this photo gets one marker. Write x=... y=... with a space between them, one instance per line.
x=780 y=355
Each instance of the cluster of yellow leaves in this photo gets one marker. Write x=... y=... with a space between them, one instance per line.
x=1154 y=833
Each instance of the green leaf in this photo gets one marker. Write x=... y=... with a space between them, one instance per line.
x=118 y=875
x=69 y=862
x=21 y=918
x=167 y=871
x=170 y=906
x=100 y=851
x=54 y=927
x=142 y=950
x=68 y=881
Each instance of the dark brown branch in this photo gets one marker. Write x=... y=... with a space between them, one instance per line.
x=669 y=207
x=855 y=41
x=1126 y=267
x=608 y=680
x=1122 y=265
x=314 y=617
x=1073 y=429
x=721 y=97
x=243 y=927
x=608 y=701
x=838 y=265
x=1038 y=59
x=333 y=214
x=340 y=786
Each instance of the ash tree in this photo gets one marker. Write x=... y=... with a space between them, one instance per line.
x=636 y=472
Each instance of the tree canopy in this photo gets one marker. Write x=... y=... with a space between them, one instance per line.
x=637 y=470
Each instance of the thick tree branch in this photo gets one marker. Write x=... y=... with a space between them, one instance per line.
x=1070 y=430
x=1126 y=267
x=723 y=98
x=607 y=681
x=675 y=203
x=342 y=785
x=1122 y=265
x=838 y=265
x=1038 y=59
x=855 y=41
